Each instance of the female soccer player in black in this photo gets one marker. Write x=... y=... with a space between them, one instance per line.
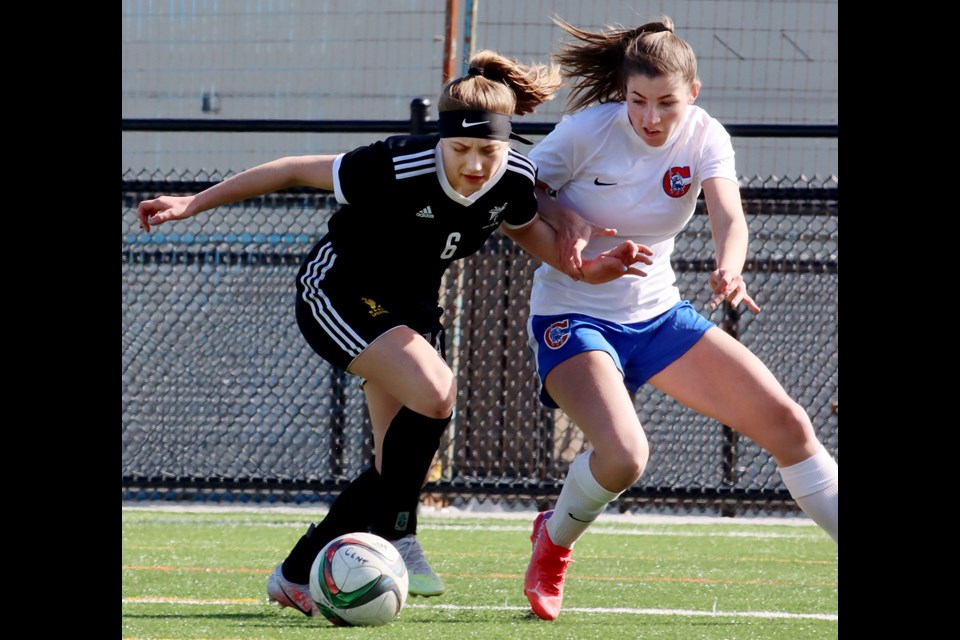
x=368 y=291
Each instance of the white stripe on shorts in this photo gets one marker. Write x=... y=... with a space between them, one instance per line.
x=321 y=308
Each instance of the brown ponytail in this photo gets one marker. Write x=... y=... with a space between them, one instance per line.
x=599 y=63
x=500 y=85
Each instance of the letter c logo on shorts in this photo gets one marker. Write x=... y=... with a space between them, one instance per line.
x=557 y=334
x=676 y=181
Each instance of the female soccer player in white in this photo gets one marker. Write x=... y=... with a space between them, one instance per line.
x=636 y=163
x=368 y=292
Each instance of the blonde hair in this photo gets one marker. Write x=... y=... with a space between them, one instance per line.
x=500 y=85
x=599 y=63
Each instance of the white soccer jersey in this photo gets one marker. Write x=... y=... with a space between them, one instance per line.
x=603 y=170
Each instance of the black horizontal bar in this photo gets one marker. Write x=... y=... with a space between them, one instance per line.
x=151 y=188
x=735 y=130
x=173 y=187
x=429 y=126
x=267 y=126
x=134 y=255
x=516 y=486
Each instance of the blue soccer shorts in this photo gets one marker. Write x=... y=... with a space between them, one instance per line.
x=640 y=350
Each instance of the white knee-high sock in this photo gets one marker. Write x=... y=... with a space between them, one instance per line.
x=581 y=500
x=815 y=485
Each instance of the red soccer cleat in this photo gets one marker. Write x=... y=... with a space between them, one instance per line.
x=543 y=582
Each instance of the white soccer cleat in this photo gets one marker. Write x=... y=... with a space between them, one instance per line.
x=423 y=580
x=290 y=594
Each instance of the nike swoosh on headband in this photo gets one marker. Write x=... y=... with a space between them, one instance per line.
x=466 y=124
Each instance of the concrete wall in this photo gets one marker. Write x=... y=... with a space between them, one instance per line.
x=761 y=62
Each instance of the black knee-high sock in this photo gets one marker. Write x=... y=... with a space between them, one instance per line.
x=411 y=441
x=350 y=512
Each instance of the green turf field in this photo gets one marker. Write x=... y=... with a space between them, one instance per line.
x=193 y=575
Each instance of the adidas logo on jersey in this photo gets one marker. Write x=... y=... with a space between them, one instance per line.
x=426 y=212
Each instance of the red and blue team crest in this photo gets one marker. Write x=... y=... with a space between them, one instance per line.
x=677 y=181
x=557 y=334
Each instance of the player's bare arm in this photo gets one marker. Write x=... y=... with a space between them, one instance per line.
x=573 y=232
x=540 y=240
x=731 y=239
x=311 y=171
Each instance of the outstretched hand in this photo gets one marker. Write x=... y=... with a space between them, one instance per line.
x=615 y=263
x=572 y=240
x=162 y=209
x=730 y=287
x=572 y=236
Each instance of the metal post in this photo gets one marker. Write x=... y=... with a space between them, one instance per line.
x=731 y=474
x=450 y=41
x=338 y=421
x=419 y=109
x=469 y=33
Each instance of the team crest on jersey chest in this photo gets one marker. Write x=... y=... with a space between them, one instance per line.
x=677 y=181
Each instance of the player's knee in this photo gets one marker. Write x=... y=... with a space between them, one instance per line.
x=623 y=468
x=796 y=423
x=439 y=398
x=794 y=432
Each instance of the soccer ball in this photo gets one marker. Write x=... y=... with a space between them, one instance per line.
x=359 y=579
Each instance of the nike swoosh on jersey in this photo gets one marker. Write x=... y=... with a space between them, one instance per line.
x=597 y=182
x=466 y=124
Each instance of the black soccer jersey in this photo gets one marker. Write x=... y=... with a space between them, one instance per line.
x=401 y=224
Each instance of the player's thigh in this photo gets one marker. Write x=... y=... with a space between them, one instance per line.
x=402 y=364
x=722 y=379
x=589 y=388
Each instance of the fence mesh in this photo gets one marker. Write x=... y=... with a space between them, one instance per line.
x=223 y=400
x=221 y=397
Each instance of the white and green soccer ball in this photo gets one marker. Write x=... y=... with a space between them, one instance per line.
x=359 y=579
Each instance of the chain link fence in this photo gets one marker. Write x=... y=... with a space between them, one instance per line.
x=222 y=399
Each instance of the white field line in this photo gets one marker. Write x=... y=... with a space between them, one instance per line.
x=431 y=518
x=601 y=527
x=588 y=610
x=597 y=529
